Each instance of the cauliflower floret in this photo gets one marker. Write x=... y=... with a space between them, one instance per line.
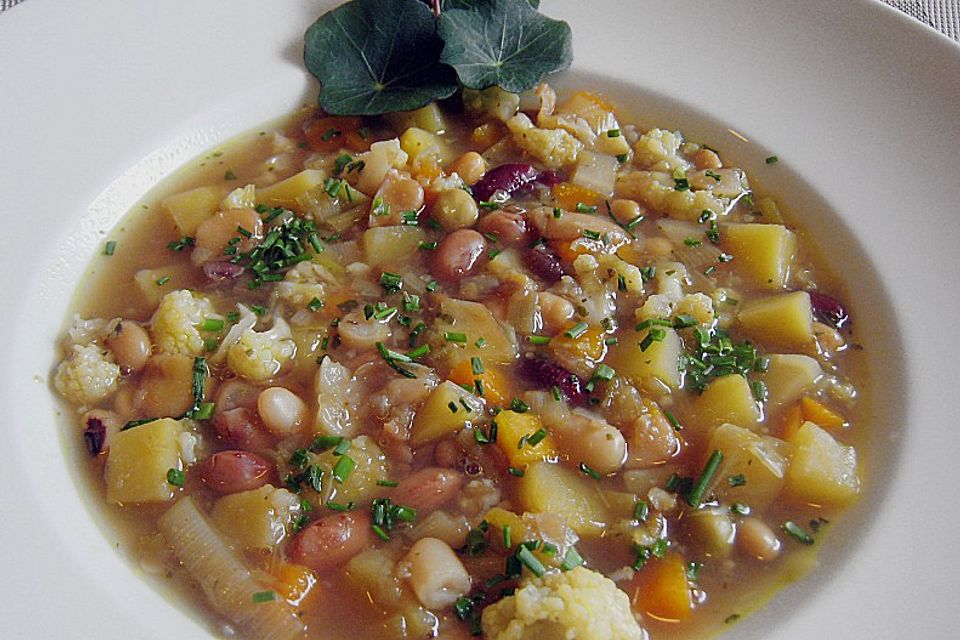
x=302 y=284
x=174 y=323
x=580 y=604
x=83 y=331
x=697 y=305
x=555 y=148
x=87 y=376
x=657 y=150
x=259 y=355
x=657 y=191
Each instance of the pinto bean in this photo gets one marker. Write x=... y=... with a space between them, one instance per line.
x=428 y=489
x=281 y=410
x=457 y=254
x=331 y=541
x=130 y=345
x=240 y=428
x=236 y=393
x=510 y=227
x=233 y=471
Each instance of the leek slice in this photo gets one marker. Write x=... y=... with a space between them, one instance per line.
x=228 y=583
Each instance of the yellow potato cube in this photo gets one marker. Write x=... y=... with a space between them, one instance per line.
x=726 y=399
x=370 y=465
x=139 y=460
x=513 y=431
x=661 y=360
x=286 y=192
x=392 y=245
x=257 y=518
x=780 y=321
x=474 y=321
x=417 y=142
x=172 y=277
x=448 y=408
x=428 y=118
x=822 y=471
x=189 y=208
x=577 y=499
x=788 y=376
x=760 y=462
x=764 y=252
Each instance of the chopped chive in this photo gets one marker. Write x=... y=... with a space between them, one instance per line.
x=555 y=390
x=176 y=477
x=604 y=372
x=651 y=322
x=696 y=494
x=391 y=282
x=576 y=331
x=737 y=480
x=452 y=406
x=110 y=247
x=387 y=483
x=229 y=175
x=427 y=246
x=420 y=351
x=476 y=364
x=264 y=596
x=571 y=560
x=385 y=313
x=772 y=160
x=507 y=540
x=740 y=509
x=655 y=334
x=481 y=342
x=519 y=406
x=591 y=234
x=535 y=339
x=797 y=533
x=432 y=285
x=759 y=390
x=336 y=506
x=684 y=321
x=383 y=535
x=613 y=133
x=672 y=419
x=315 y=304
x=584 y=208
x=163 y=280
x=586 y=470
x=454 y=336
x=343 y=468
x=530 y=561
x=641 y=510
x=204 y=411
x=514 y=471
x=557 y=212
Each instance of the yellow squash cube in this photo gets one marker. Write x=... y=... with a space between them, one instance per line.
x=577 y=499
x=257 y=518
x=760 y=460
x=661 y=360
x=429 y=118
x=385 y=246
x=512 y=428
x=189 y=208
x=726 y=399
x=822 y=471
x=448 y=408
x=172 y=277
x=763 y=252
x=286 y=192
x=780 y=321
x=139 y=460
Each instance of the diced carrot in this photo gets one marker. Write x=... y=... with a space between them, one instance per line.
x=661 y=591
x=566 y=251
x=295 y=581
x=336 y=132
x=568 y=195
x=817 y=413
x=426 y=168
x=589 y=345
x=497 y=389
x=792 y=422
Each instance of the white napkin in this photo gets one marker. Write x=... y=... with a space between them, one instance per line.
x=942 y=15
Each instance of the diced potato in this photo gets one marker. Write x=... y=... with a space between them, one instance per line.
x=444 y=412
x=511 y=428
x=661 y=360
x=257 y=519
x=781 y=321
x=392 y=245
x=547 y=487
x=764 y=252
x=417 y=142
x=475 y=321
x=361 y=484
x=713 y=529
x=139 y=460
x=616 y=145
x=822 y=471
x=372 y=573
x=726 y=399
x=594 y=109
x=286 y=192
x=189 y=208
x=173 y=277
x=596 y=171
x=788 y=376
x=761 y=460
x=165 y=389
x=382 y=157
x=429 y=118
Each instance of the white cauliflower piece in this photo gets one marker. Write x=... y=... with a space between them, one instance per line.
x=657 y=191
x=697 y=305
x=259 y=355
x=658 y=150
x=302 y=284
x=579 y=604
x=555 y=148
x=83 y=331
x=174 y=325
x=87 y=375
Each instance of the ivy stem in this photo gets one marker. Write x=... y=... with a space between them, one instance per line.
x=436 y=7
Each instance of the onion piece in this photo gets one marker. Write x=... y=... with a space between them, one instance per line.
x=228 y=583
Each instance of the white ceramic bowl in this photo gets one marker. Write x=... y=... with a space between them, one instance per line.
x=99 y=100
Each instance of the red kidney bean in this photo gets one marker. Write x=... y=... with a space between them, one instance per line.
x=546 y=375
x=507 y=178
x=331 y=541
x=428 y=489
x=829 y=310
x=240 y=428
x=95 y=435
x=457 y=254
x=233 y=471
x=543 y=263
x=509 y=227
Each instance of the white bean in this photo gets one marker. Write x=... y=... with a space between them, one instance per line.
x=130 y=345
x=757 y=539
x=281 y=410
x=437 y=576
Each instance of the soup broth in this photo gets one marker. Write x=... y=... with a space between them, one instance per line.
x=404 y=376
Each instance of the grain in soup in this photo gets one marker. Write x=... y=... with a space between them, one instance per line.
x=467 y=370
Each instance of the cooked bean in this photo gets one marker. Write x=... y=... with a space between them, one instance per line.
x=240 y=427
x=592 y=441
x=543 y=264
x=757 y=539
x=658 y=246
x=455 y=209
x=396 y=195
x=236 y=393
x=458 y=254
x=99 y=426
x=233 y=471
x=215 y=232
x=556 y=312
x=331 y=541
x=281 y=410
x=130 y=345
x=436 y=574
x=509 y=227
x=470 y=167
x=625 y=211
x=707 y=159
x=507 y=178
x=428 y=489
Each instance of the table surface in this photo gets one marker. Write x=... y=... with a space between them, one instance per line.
x=942 y=15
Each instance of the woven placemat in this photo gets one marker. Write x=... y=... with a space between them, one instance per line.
x=943 y=15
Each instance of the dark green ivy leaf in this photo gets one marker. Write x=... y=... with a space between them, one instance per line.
x=469 y=4
x=374 y=57
x=503 y=42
